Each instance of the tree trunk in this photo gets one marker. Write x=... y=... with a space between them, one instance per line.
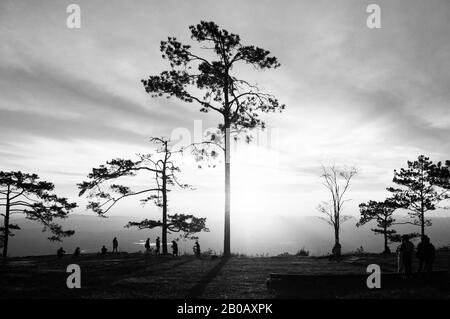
x=422 y=225
x=386 y=247
x=6 y=225
x=336 y=234
x=164 y=223
x=422 y=219
x=337 y=247
x=227 y=244
x=422 y=208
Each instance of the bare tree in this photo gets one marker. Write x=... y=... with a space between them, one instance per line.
x=337 y=181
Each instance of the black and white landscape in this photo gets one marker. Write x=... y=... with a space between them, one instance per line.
x=225 y=149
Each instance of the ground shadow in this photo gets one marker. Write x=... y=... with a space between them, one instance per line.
x=196 y=291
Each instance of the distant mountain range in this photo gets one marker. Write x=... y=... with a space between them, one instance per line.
x=284 y=235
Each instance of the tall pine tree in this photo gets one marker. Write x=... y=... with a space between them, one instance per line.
x=210 y=80
x=422 y=186
x=26 y=194
x=382 y=214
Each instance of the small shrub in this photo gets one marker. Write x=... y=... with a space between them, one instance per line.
x=285 y=254
x=303 y=252
x=209 y=252
x=242 y=255
x=444 y=248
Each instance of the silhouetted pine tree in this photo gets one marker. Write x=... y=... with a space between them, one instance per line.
x=422 y=185
x=209 y=81
x=24 y=193
x=382 y=214
x=161 y=166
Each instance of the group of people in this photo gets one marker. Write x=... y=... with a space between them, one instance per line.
x=61 y=252
x=147 y=245
x=425 y=253
x=115 y=242
x=196 y=248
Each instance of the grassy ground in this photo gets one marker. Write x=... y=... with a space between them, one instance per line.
x=138 y=276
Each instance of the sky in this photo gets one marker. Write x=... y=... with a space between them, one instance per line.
x=70 y=99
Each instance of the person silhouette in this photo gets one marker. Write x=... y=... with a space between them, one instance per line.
x=421 y=253
x=400 y=267
x=60 y=252
x=115 y=244
x=426 y=254
x=147 y=246
x=77 y=252
x=174 y=248
x=197 y=249
x=406 y=251
x=158 y=245
x=104 y=250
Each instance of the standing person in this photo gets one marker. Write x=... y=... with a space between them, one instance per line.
x=158 y=245
x=115 y=244
x=197 y=249
x=407 y=251
x=429 y=254
x=147 y=246
x=174 y=248
x=77 y=252
x=400 y=268
x=421 y=253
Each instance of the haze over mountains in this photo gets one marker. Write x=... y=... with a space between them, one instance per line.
x=305 y=231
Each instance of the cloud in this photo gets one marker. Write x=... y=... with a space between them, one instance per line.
x=46 y=101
